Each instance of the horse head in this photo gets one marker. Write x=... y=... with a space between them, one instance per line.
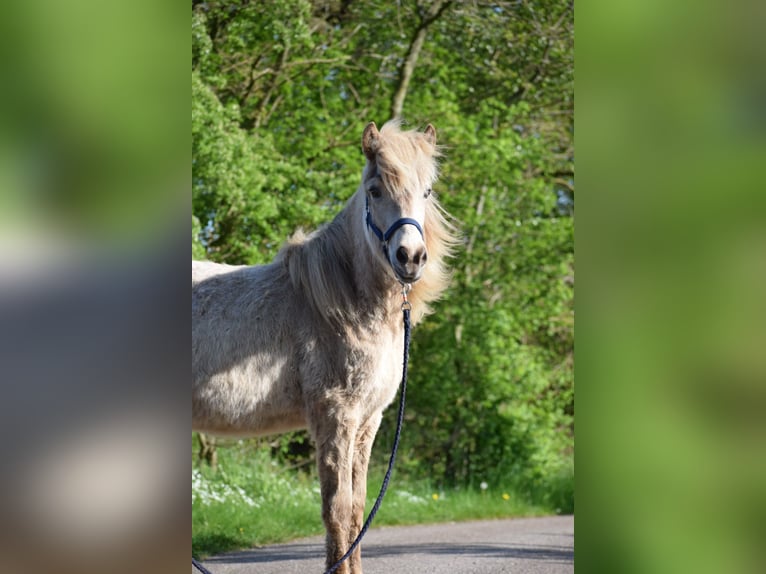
x=397 y=180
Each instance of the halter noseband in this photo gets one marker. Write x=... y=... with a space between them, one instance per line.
x=384 y=237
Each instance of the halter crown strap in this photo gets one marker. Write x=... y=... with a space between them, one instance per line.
x=384 y=237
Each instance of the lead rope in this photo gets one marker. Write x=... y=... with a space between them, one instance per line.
x=200 y=567
x=406 y=307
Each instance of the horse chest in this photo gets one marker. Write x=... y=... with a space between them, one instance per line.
x=379 y=381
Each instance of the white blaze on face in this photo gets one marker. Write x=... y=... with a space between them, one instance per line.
x=407 y=250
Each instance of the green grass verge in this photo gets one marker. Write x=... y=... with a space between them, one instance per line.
x=248 y=504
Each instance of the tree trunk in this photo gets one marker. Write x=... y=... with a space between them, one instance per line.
x=207 y=450
x=413 y=53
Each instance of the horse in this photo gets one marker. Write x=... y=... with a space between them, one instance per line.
x=314 y=339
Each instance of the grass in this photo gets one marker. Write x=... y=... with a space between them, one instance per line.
x=253 y=502
x=229 y=511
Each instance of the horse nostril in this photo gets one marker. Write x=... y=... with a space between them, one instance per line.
x=402 y=256
x=420 y=257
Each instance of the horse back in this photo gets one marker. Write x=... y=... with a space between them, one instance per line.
x=244 y=367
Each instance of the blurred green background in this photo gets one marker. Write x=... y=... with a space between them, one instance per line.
x=91 y=149
x=671 y=251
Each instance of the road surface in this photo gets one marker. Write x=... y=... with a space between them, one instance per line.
x=519 y=546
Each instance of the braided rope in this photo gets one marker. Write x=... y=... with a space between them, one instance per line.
x=200 y=567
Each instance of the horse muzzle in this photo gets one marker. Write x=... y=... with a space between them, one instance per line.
x=408 y=263
x=410 y=256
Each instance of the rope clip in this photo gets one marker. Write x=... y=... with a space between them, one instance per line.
x=406 y=305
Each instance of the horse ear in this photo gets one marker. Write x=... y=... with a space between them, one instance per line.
x=370 y=140
x=430 y=133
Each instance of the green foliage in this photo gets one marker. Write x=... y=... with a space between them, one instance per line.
x=280 y=94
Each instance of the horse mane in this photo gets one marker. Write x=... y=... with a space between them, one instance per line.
x=404 y=155
x=316 y=261
x=441 y=240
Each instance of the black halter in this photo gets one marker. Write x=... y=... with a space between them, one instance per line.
x=384 y=237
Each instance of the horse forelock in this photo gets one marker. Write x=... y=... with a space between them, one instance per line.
x=403 y=158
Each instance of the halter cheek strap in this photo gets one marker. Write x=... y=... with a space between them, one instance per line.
x=384 y=237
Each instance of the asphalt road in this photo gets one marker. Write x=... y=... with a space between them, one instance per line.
x=519 y=546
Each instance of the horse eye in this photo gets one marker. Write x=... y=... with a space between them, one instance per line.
x=427 y=193
x=375 y=192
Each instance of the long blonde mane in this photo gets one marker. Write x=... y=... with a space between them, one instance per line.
x=441 y=240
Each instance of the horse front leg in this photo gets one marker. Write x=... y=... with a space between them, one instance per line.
x=364 y=441
x=335 y=438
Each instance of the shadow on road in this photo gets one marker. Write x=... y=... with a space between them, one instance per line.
x=542 y=545
x=311 y=551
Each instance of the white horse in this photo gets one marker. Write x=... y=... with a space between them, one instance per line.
x=314 y=339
